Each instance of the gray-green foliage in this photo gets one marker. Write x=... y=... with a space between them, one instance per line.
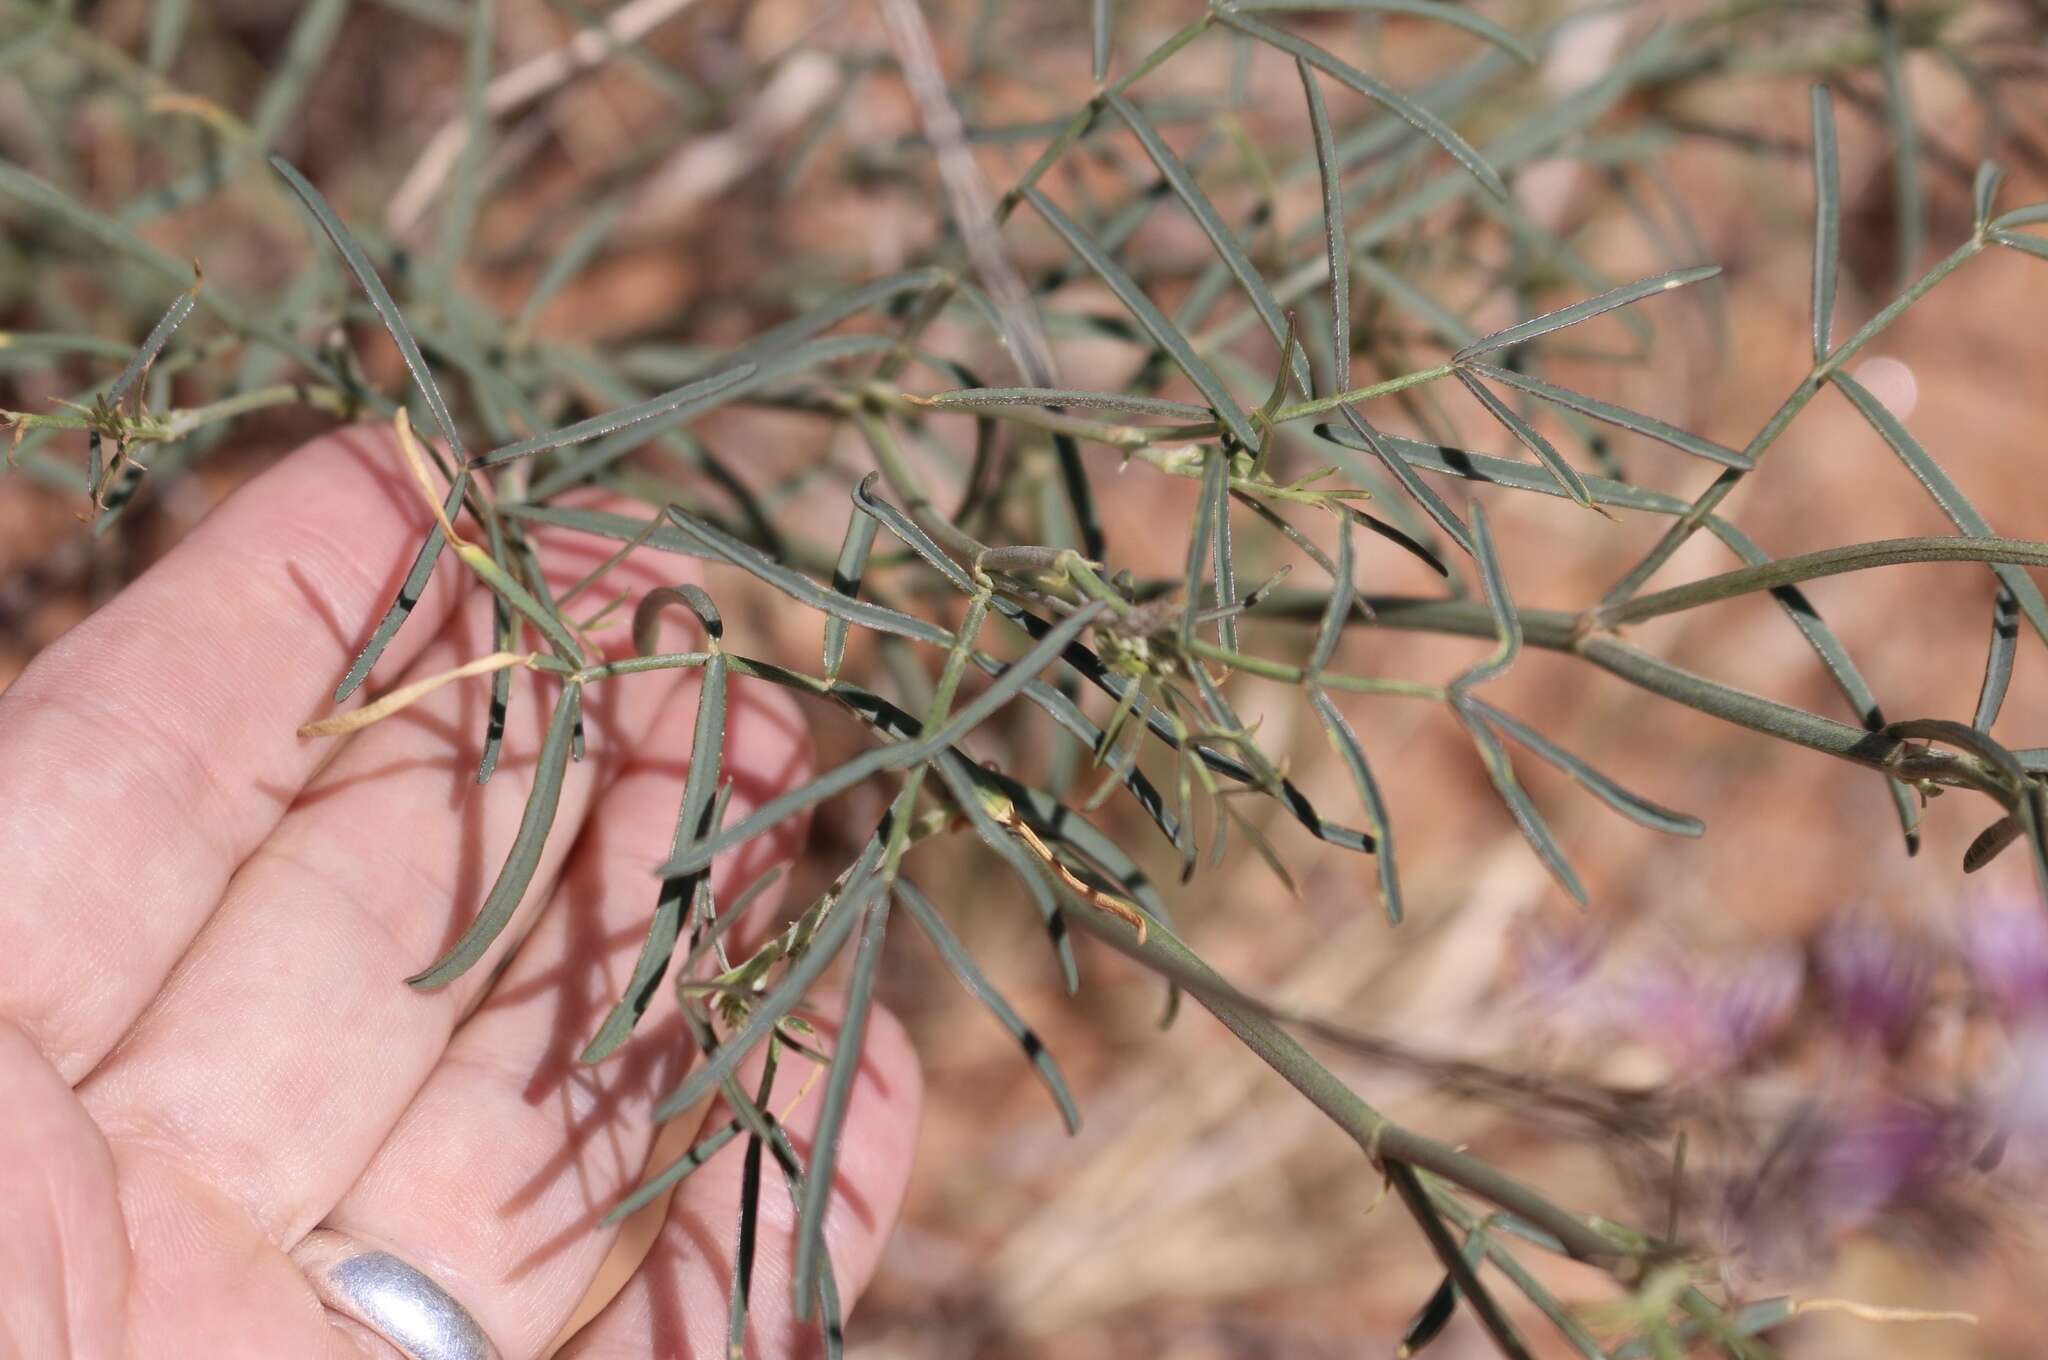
x=1265 y=342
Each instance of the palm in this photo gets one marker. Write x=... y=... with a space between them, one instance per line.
x=205 y=1049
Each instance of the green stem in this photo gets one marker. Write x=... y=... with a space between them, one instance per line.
x=1378 y=389
x=332 y=400
x=1381 y=1138
x=1684 y=527
x=1296 y=675
x=1787 y=571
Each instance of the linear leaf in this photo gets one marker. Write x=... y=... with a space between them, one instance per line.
x=1454 y=1260
x=1546 y=452
x=768 y=1010
x=584 y=243
x=973 y=398
x=1523 y=332
x=1984 y=192
x=524 y=858
x=693 y=819
x=1345 y=741
x=1418 y=117
x=1946 y=494
x=1620 y=416
x=899 y=756
x=1215 y=474
x=380 y=299
x=1220 y=236
x=1633 y=806
x=1502 y=772
x=1827 y=221
x=1150 y=317
x=970 y=975
x=458 y=214
x=1424 y=495
x=1330 y=173
x=846 y=579
x=702 y=1151
x=795 y=584
x=1908 y=202
x=2005 y=636
x=1223 y=555
x=767 y=370
x=1456 y=15
x=153 y=344
x=2021 y=241
x=960 y=780
x=846 y=1063
x=623 y=418
x=1343 y=590
x=1507 y=624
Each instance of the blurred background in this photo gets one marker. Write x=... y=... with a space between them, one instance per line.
x=1817 y=1011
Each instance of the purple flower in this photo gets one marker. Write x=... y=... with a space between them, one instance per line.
x=1832 y=1172
x=1552 y=959
x=1888 y=1152
x=1710 y=1016
x=1876 y=979
x=2005 y=942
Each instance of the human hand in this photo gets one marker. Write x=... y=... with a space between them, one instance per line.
x=207 y=1051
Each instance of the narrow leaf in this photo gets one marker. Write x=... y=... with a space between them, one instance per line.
x=970 y=975
x=1636 y=421
x=1827 y=221
x=2005 y=636
x=1150 y=318
x=1223 y=555
x=1522 y=430
x=1630 y=805
x=1627 y=293
x=1984 y=192
x=1458 y=16
x=1502 y=772
x=1215 y=484
x=974 y=398
x=1343 y=591
x=1345 y=741
x=1489 y=1313
x=899 y=756
x=1414 y=114
x=621 y=419
x=1507 y=624
x=1329 y=171
x=1946 y=494
x=380 y=300
x=769 y=1009
x=959 y=777
x=527 y=843
x=846 y=1062
x=693 y=819
x=1220 y=236
x=1908 y=202
x=846 y=579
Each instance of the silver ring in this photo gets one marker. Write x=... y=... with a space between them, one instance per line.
x=391 y=1298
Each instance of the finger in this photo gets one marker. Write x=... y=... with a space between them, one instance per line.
x=286 y=1043
x=153 y=747
x=675 y=1304
x=63 y=1254
x=499 y=1175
